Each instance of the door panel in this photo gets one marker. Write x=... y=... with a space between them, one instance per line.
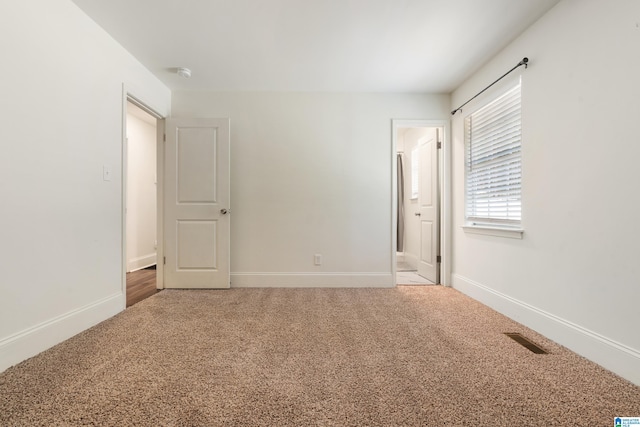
x=197 y=223
x=426 y=237
x=196 y=164
x=196 y=245
x=428 y=266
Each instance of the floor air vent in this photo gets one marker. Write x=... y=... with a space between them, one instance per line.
x=523 y=341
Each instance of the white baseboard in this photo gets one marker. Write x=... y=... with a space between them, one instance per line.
x=312 y=280
x=612 y=355
x=29 y=342
x=139 y=263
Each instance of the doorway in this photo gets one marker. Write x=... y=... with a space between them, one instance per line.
x=418 y=254
x=141 y=213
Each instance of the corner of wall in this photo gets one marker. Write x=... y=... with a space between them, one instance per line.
x=32 y=341
x=616 y=357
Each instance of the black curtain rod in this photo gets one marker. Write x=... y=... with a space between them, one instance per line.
x=523 y=62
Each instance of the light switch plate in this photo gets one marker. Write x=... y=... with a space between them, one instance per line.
x=106 y=173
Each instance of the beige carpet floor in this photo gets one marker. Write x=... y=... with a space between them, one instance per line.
x=409 y=356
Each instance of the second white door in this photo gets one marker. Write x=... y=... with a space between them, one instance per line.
x=428 y=198
x=196 y=203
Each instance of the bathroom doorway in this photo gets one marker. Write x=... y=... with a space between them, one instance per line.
x=418 y=205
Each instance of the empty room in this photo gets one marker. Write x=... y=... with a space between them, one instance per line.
x=347 y=212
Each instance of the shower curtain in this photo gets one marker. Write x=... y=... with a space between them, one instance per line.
x=400 y=207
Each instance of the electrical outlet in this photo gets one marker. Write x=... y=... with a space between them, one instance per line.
x=317 y=259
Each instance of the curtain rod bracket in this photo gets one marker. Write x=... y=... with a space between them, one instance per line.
x=525 y=62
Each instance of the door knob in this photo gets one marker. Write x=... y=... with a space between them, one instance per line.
x=224 y=211
x=418 y=214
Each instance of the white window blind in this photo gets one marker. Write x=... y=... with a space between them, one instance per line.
x=493 y=165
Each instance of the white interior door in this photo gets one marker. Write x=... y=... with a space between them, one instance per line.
x=196 y=203
x=428 y=200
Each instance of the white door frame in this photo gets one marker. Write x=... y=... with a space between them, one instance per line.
x=444 y=186
x=129 y=96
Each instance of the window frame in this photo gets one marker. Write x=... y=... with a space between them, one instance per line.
x=490 y=225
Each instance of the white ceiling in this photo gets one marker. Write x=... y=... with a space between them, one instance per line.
x=423 y=46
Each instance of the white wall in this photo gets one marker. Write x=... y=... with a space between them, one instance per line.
x=141 y=189
x=62 y=115
x=311 y=174
x=574 y=276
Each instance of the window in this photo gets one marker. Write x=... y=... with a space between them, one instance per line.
x=493 y=166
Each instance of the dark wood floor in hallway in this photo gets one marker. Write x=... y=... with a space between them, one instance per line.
x=141 y=284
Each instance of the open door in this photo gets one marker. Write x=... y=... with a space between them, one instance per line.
x=196 y=203
x=428 y=200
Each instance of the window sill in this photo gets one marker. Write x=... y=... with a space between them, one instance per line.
x=488 y=230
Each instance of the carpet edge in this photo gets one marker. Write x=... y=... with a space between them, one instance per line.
x=610 y=354
x=36 y=339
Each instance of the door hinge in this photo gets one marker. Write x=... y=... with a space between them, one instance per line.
x=164 y=137
x=439 y=145
x=164 y=260
x=438 y=258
